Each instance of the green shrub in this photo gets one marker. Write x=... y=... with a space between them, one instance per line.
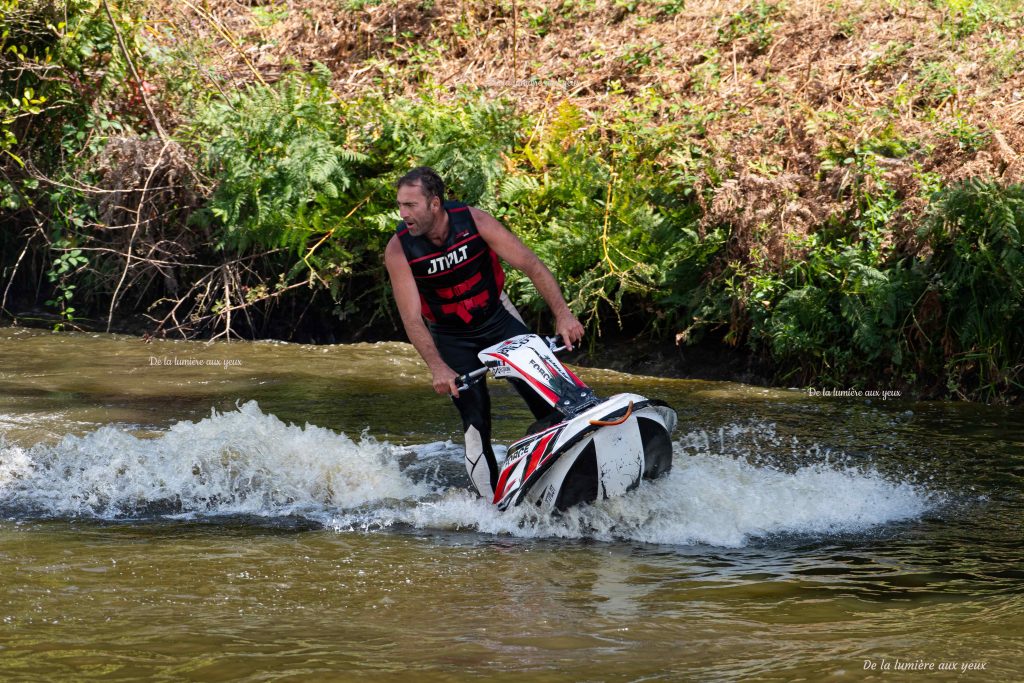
x=64 y=91
x=615 y=225
x=976 y=269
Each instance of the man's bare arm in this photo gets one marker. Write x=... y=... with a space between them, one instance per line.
x=408 y=299
x=519 y=256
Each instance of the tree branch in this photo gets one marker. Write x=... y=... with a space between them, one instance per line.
x=135 y=73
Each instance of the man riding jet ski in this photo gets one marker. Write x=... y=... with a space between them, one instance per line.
x=590 y=449
x=444 y=261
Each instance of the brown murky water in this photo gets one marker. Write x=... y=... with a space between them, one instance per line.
x=179 y=511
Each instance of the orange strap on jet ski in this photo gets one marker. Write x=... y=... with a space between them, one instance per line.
x=612 y=423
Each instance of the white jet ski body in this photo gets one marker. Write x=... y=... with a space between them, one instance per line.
x=595 y=449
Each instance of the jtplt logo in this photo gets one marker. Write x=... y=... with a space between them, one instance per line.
x=448 y=260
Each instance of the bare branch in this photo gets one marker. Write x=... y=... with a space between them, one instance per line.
x=138 y=79
x=131 y=242
x=17 y=264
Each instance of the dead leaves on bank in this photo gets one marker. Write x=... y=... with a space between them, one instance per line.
x=777 y=88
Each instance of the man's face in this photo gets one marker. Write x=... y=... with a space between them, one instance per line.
x=415 y=209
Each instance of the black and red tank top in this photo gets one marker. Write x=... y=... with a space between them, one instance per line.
x=460 y=281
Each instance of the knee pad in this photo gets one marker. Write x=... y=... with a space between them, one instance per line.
x=480 y=464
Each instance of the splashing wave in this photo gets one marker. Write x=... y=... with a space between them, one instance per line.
x=239 y=462
x=251 y=463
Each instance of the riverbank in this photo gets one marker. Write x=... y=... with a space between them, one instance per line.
x=831 y=193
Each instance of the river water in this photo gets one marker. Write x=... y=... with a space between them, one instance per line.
x=266 y=511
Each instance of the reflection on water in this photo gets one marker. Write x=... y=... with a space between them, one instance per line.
x=284 y=511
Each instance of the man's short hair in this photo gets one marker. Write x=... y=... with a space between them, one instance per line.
x=427 y=178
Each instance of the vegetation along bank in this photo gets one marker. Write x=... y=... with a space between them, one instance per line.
x=831 y=188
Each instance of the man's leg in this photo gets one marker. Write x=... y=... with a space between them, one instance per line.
x=474 y=405
x=537 y=405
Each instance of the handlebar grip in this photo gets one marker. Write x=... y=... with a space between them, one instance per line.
x=463 y=382
x=555 y=343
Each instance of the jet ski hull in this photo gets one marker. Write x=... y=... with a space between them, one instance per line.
x=600 y=453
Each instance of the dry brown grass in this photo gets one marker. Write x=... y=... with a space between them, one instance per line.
x=829 y=76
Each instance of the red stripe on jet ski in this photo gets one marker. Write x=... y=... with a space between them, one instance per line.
x=501 y=492
x=576 y=379
x=503 y=484
x=538 y=451
x=548 y=394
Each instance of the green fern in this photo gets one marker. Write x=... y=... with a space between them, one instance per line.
x=977 y=265
x=277 y=160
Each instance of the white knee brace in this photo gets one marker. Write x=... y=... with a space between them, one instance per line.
x=477 y=464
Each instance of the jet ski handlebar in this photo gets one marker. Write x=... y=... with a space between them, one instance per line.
x=463 y=382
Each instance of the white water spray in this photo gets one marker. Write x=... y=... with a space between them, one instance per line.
x=239 y=462
x=248 y=462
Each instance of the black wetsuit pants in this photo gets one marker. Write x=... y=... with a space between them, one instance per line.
x=459 y=350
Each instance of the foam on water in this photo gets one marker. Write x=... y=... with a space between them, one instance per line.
x=239 y=462
x=721 y=490
x=707 y=499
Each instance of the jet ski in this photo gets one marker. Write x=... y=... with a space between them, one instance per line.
x=590 y=448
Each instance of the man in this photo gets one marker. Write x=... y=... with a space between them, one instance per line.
x=447 y=279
